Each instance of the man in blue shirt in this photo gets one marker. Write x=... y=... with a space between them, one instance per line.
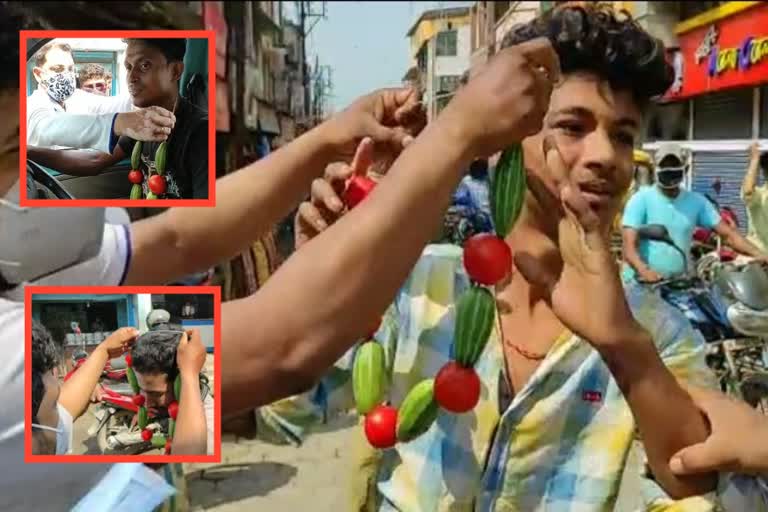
x=681 y=212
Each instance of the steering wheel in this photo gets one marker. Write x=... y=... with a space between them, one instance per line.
x=41 y=185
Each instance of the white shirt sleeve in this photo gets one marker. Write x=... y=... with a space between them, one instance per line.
x=47 y=127
x=108 y=268
x=82 y=102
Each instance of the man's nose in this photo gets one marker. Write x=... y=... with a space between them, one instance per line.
x=601 y=155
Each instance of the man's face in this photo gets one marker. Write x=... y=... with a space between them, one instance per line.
x=595 y=128
x=670 y=173
x=156 y=389
x=44 y=441
x=9 y=140
x=96 y=86
x=151 y=78
x=56 y=61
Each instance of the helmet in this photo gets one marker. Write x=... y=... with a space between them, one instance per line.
x=158 y=318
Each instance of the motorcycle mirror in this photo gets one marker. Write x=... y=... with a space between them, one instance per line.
x=656 y=232
x=660 y=233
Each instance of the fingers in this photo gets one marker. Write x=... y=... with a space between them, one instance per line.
x=363 y=157
x=539 y=53
x=311 y=217
x=324 y=193
x=701 y=458
x=126 y=335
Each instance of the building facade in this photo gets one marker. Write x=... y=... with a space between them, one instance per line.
x=440 y=51
x=718 y=104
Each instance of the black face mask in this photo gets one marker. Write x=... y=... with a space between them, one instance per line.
x=669 y=178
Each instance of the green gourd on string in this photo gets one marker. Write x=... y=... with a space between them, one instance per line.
x=177 y=387
x=158 y=440
x=156 y=182
x=457 y=388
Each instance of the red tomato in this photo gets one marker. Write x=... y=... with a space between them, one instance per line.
x=381 y=426
x=157 y=184
x=146 y=434
x=135 y=177
x=357 y=189
x=128 y=360
x=457 y=389
x=168 y=447
x=487 y=258
x=173 y=409
x=138 y=399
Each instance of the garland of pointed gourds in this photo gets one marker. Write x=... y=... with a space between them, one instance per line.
x=456 y=388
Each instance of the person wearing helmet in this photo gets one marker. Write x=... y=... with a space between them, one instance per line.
x=642 y=177
x=680 y=211
x=160 y=320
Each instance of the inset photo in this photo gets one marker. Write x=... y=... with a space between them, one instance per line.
x=117 y=374
x=117 y=118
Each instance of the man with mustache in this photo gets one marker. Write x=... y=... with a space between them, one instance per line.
x=680 y=211
x=59 y=115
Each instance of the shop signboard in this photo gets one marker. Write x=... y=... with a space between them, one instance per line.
x=731 y=52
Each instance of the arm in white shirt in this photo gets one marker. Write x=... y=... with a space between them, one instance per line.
x=46 y=128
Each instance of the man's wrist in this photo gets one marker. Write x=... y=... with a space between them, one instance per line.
x=632 y=357
x=101 y=351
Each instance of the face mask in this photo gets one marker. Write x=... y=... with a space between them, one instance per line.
x=36 y=242
x=63 y=431
x=60 y=86
x=670 y=177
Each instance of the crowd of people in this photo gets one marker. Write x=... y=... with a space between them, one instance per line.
x=579 y=364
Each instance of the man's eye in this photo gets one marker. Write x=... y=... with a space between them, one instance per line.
x=570 y=127
x=145 y=65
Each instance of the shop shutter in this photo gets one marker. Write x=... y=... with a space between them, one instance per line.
x=724 y=115
x=729 y=167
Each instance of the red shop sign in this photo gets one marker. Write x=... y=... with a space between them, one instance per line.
x=213 y=17
x=732 y=52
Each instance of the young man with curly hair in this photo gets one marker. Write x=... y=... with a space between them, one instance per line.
x=576 y=364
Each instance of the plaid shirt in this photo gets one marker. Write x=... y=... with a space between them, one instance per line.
x=560 y=445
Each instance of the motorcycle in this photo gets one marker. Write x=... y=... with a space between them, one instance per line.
x=727 y=302
x=115 y=429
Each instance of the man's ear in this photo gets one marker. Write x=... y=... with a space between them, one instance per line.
x=38 y=72
x=177 y=68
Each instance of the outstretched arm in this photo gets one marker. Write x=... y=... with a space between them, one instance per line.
x=76 y=392
x=75 y=162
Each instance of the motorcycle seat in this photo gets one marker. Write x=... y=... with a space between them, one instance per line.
x=748 y=285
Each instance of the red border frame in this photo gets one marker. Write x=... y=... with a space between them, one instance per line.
x=29 y=291
x=24 y=35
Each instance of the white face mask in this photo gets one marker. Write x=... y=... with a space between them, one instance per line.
x=63 y=431
x=60 y=86
x=36 y=242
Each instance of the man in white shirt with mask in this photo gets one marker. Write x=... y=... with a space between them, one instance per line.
x=59 y=115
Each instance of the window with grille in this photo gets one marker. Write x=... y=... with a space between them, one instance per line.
x=447 y=83
x=447 y=44
x=185 y=307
